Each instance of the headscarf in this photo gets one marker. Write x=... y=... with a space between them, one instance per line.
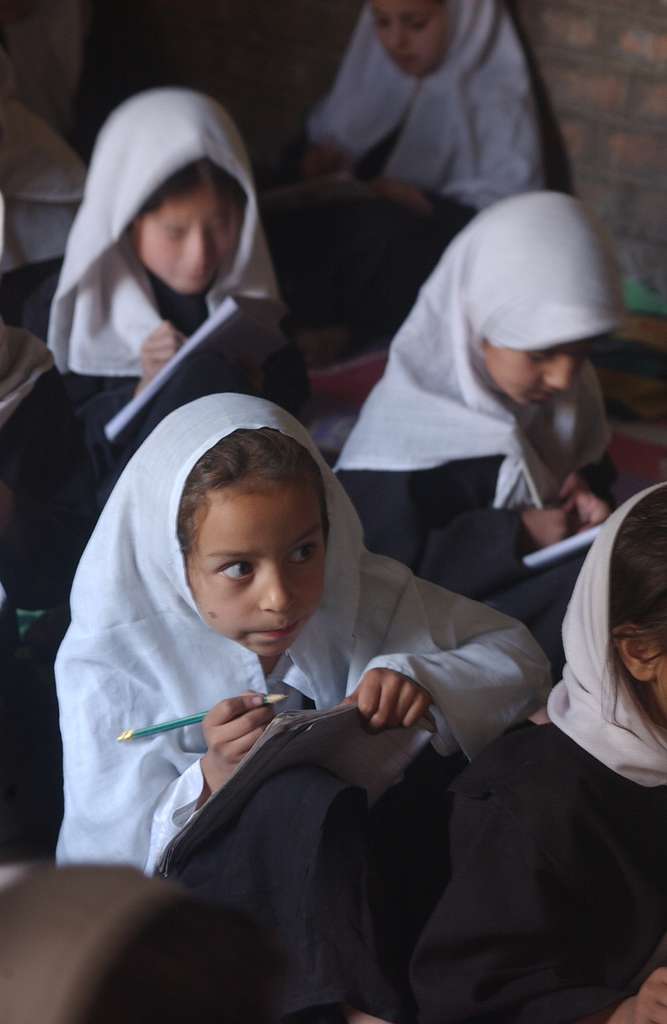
x=618 y=733
x=41 y=178
x=104 y=307
x=531 y=272
x=138 y=651
x=23 y=359
x=469 y=128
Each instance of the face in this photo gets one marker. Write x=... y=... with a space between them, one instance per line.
x=256 y=569
x=413 y=32
x=189 y=239
x=538 y=376
x=647 y=664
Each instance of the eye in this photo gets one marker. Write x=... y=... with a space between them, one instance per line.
x=237 y=571
x=303 y=553
x=174 y=234
x=417 y=26
x=538 y=357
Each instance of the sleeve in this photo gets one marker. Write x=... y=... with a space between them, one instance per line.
x=483 y=669
x=123 y=801
x=506 y=941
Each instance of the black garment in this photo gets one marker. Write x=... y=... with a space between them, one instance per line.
x=442 y=524
x=206 y=372
x=558 y=892
x=346 y=891
x=26 y=295
x=359 y=264
x=44 y=462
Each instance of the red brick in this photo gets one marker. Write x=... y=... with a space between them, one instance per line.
x=569 y=28
x=579 y=137
x=635 y=153
x=644 y=43
x=650 y=101
x=596 y=91
x=647 y=214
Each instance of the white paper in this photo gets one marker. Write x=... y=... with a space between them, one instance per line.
x=553 y=553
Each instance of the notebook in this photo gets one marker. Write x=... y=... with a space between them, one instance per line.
x=337 y=739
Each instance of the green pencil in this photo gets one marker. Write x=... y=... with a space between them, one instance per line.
x=180 y=723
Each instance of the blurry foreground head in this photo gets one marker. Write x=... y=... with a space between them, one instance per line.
x=96 y=944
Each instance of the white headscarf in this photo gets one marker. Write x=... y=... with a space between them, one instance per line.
x=531 y=272
x=138 y=651
x=471 y=132
x=41 y=178
x=23 y=359
x=104 y=307
x=46 y=49
x=622 y=737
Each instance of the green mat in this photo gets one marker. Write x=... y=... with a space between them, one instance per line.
x=640 y=299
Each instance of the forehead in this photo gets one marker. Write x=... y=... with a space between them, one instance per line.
x=245 y=517
x=405 y=8
x=200 y=201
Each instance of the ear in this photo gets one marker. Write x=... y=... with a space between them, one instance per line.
x=638 y=655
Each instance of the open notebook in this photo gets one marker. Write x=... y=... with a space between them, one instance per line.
x=245 y=329
x=337 y=740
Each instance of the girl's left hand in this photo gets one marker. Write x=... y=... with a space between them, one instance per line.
x=579 y=501
x=388 y=699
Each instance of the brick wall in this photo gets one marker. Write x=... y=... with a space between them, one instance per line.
x=603 y=64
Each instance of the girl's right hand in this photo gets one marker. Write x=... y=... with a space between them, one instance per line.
x=544 y=526
x=158 y=348
x=230 y=730
x=649 y=1006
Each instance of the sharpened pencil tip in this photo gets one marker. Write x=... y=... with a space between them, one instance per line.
x=127 y=735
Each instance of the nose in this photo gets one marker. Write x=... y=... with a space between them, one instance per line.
x=276 y=592
x=561 y=371
x=199 y=251
x=396 y=38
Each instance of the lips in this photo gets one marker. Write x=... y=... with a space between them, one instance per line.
x=279 y=634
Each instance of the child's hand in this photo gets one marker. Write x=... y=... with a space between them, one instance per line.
x=230 y=730
x=404 y=194
x=321 y=160
x=388 y=699
x=579 y=501
x=158 y=348
x=649 y=1006
x=544 y=526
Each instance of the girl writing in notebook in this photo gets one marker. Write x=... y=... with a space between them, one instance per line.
x=557 y=906
x=227 y=564
x=485 y=437
x=167 y=230
x=432 y=108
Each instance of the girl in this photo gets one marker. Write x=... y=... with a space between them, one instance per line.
x=557 y=906
x=432 y=106
x=167 y=230
x=228 y=563
x=473 y=448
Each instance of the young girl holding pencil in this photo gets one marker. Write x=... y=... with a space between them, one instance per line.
x=228 y=564
x=557 y=906
x=486 y=436
x=168 y=229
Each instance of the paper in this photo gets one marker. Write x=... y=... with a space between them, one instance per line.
x=336 y=740
x=243 y=328
x=554 y=553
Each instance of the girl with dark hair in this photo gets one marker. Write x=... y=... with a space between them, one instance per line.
x=168 y=229
x=227 y=564
x=557 y=905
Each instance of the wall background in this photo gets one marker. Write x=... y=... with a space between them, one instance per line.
x=602 y=65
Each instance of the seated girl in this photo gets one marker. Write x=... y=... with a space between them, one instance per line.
x=483 y=440
x=432 y=107
x=228 y=564
x=167 y=230
x=557 y=906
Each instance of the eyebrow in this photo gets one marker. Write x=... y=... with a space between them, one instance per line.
x=316 y=528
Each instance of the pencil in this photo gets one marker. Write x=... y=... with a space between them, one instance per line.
x=180 y=723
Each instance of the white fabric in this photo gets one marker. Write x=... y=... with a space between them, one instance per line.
x=46 y=49
x=41 y=178
x=138 y=652
x=23 y=359
x=471 y=132
x=104 y=307
x=617 y=733
x=529 y=273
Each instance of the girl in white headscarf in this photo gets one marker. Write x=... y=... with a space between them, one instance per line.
x=228 y=563
x=432 y=105
x=557 y=906
x=167 y=230
x=472 y=449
